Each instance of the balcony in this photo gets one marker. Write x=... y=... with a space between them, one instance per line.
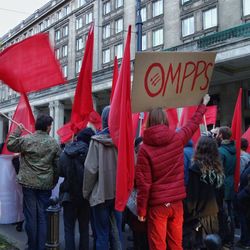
x=215 y=40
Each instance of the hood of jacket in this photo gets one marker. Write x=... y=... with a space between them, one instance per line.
x=104 y=139
x=158 y=135
x=229 y=146
x=76 y=148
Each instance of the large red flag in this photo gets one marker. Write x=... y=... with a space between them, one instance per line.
x=246 y=135
x=115 y=76
x=211 y=114
x=186 y=115
x=30 y=65
x=120 y=126
x=24 y=115
x=82 y=110
x=236 y=135
x=172 y=118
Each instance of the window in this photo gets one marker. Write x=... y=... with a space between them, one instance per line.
x=89 y=17
x=65 y=31
x=144 y=42
x=31 y=31
x=79 y=44
x=106 y=56
x=118 y=3
x=210 y=18
x=185 y=1
x=106 y=31
x=80 y=2
x=65 y=70
x=64 y=50
x=246 y=7
x=66 y=10
x=57 y=52
x=58 y=35
x=119 y=50
x=106 y=8
x=157 y=8
x=119 y=25
x=79 y=23
x=188 y=26
x=46 y=23
x=144 y=14
x=157 y=37
x=41 y=27
x=59 y=15
x=78 y=66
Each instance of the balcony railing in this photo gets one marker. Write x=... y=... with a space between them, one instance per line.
x=241 y=31
x=235 y=32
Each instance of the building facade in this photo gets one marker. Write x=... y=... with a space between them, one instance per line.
x=172 y=25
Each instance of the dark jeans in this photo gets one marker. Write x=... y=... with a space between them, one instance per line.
x=73 y=211
x=35 y=203
x=107 y=226
x=244 y=226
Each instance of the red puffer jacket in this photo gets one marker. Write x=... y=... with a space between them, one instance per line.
x=160 y=164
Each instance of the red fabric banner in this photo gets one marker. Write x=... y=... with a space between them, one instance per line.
x=120 y=126
x=24 y=115
x=172 y=118
x=211 y=114
x=30 y=65
x=236 y=135
x=246 y=135
x=115 y=76
x=82 y=110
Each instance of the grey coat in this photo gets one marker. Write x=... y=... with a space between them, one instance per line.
x=99 y=183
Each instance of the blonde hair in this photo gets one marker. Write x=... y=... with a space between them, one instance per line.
x=157 y=116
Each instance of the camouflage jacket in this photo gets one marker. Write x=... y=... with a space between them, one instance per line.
x=38 y=162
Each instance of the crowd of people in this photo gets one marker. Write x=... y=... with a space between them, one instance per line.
x=183 y=197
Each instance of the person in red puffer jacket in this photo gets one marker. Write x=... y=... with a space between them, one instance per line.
x=160 y=178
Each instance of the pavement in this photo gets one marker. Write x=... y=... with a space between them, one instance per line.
x=19 y=239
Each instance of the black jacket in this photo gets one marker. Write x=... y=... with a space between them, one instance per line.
x=71 y=167
x=201 y=197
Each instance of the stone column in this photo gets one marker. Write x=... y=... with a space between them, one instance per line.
x=52 y=114
x=58 y=118
x=1 y=129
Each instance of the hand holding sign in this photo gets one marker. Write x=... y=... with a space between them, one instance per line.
x=206 y=99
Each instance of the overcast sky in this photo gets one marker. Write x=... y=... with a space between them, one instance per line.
x=12 y=12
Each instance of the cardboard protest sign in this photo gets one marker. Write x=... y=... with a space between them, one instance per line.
x=170 y=79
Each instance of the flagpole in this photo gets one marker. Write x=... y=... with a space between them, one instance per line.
x=18 y=124
x=139 y=48
x=205 y=122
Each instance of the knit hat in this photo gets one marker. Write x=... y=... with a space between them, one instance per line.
x=105 y=117
x=85 y=135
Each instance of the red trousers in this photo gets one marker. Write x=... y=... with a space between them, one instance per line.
x=165 y=226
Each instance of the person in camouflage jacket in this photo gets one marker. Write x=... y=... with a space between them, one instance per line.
x=37 y=175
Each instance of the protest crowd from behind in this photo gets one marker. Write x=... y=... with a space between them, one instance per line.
x=183 y=195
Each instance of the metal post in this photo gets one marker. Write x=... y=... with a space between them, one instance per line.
x=53 y=225
x=139 y=25
x=139 y=48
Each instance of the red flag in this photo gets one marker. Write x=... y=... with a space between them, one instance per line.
x=172 y=118
x=236 y=135
x=30 y=65
x=246 y=135
x=186 y=115
x=82 y=110
x=120 y=126
x=211 y=114
x=115 y=76
x=24 y=115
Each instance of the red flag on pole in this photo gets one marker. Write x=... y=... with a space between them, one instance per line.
x=24 y=115
x=30 y=65
x=115 y=76
x=236 y=135
x=82 y=110
x=120 y=126
x=246 y=135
